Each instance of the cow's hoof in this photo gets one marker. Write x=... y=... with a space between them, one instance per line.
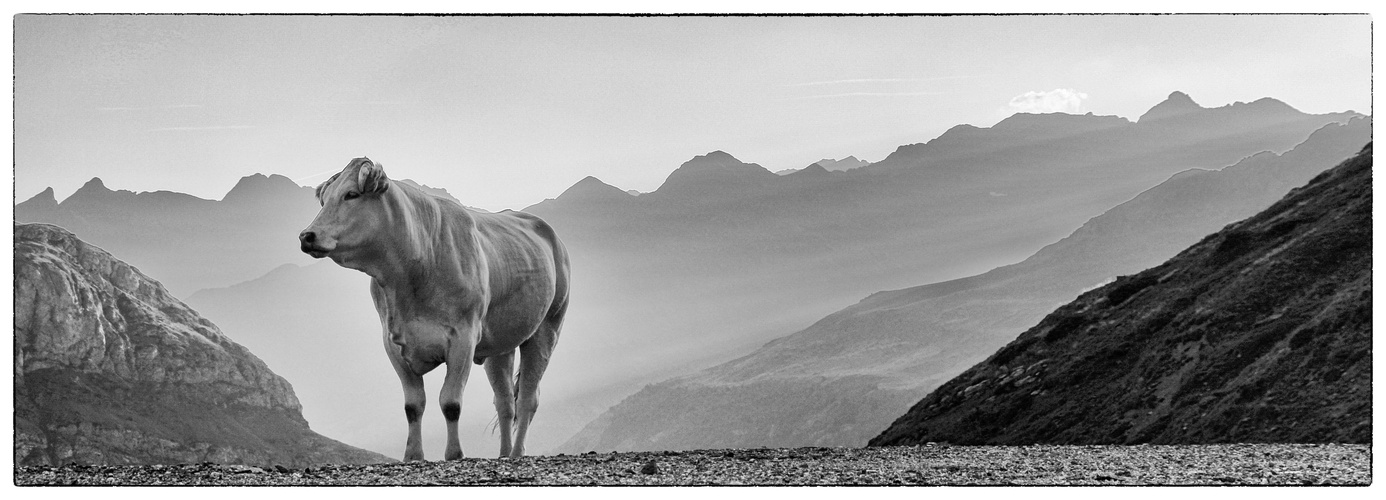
x=453 y=455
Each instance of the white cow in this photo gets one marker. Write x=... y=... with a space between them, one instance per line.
x=452 y=286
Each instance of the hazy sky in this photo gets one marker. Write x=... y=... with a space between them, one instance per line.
x=507 y=111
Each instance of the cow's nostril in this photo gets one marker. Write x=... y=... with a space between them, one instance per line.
x=307 y=236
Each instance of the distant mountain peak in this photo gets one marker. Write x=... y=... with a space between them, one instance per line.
x=1178 y=103
x=43 y=199
x=591 y=188
x=1178 y=96
x=590 y=183
x=1268 y=104
x=715 y=168
x=257 y=185
x=94 y=189
x=842 y=165
x=94 y=184
x=813 y=170
x=717 y=158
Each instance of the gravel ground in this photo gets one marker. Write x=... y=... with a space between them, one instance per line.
x=1239 y=464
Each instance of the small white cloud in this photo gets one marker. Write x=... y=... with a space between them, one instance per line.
x=1053 y=101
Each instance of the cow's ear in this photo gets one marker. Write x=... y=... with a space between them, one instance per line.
x=370 y=178
x=323 y=187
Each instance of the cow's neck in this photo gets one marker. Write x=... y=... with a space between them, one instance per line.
x=424 y=258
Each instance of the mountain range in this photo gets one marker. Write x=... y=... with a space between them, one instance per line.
x=723 y=257
x=1261 y=332
x=707 y=269
x=109 y=368
x=189 y=243
x=770 y=253
x=843 y=379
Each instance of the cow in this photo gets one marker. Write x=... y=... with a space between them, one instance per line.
x=452 y=286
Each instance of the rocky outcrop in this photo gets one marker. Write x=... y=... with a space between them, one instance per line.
x=1258 y=333
x=109 y=368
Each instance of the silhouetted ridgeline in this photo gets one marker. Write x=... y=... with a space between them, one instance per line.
x=725 y=255
x=1258 y=333
x=846 y=377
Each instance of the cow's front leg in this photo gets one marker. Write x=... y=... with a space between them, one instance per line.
x=414 y=399
x=460 y=351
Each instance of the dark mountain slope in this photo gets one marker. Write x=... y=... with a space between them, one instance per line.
x=850 y=374
x=111 y=369
x=1258 y=333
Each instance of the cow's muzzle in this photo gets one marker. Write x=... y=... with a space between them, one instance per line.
x=308 y=243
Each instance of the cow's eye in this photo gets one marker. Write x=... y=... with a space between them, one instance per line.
x=351 y=195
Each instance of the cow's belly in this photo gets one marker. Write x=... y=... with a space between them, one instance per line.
x=512 y=323
x=495 y=343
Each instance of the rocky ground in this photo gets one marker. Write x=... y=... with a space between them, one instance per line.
x=932 y=464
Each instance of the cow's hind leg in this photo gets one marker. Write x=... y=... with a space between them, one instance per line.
x=534 y=359
x=500 y=370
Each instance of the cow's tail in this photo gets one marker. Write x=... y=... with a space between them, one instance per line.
x=515 y=415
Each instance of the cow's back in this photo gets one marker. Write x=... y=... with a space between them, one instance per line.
x=524 y=255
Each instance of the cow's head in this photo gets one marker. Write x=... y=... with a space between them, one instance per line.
x=352 y=215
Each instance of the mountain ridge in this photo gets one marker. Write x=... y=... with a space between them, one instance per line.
x=896 y=322
x=1260 y=332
